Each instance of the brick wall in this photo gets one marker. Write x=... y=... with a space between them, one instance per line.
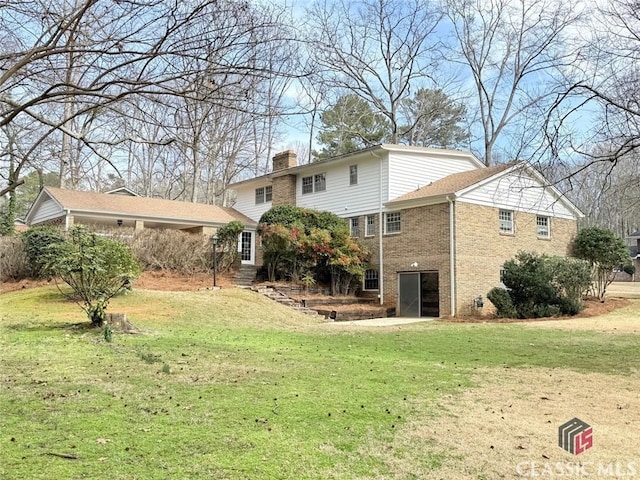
x=424 y=240
x=481 y=250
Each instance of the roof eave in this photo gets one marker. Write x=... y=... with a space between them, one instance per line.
x=420 y=202
x=155 y=218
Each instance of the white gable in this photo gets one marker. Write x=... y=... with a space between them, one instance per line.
x=518 y=190
x=409 y=171
x=44 y=208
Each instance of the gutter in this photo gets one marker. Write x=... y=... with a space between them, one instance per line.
x=452 y=259
x=66 y=218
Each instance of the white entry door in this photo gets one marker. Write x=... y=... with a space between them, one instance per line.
x=247 y=254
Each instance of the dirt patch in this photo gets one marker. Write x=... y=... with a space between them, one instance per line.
x=12 y=286
x=148 y=280
x=169 y=281
x=508 y=427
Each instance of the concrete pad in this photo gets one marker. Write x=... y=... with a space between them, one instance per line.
x=383 y=322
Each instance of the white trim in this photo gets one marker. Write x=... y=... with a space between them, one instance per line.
x=395 y=232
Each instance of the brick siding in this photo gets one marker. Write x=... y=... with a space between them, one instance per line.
x=481 y=249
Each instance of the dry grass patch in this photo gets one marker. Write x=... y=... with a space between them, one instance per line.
x=622 y=320
x=512 y=419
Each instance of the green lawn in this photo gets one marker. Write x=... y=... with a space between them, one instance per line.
x=228 y=384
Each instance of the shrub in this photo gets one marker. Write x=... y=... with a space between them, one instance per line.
x=530 y=283
x=36 y=242
x=172 y=250
x=542 y=286
x=297 y=241
x=572 y=278
x=13 y=259
x=228 y=244
x=502 y=301
x=96 y=269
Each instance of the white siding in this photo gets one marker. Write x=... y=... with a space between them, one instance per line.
x=410 y=171
x=246 y=200
x=518 y=191
x=341 y=198
x=47 y=210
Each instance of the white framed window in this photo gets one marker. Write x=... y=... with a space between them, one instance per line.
x=353 y=174
x=542 y=227
x=263 y=194
x=315 y=183
x=307 y=185
x=320 y=182
x=371 y=279
x=371 y=226
x=392 y=222
x=506 y=221
x=354 y=224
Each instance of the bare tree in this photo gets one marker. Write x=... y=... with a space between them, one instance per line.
x=66 y=63
x=606 y=85
x=376 y=49
x=513 y=50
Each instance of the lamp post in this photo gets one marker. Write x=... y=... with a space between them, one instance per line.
x=214 y=242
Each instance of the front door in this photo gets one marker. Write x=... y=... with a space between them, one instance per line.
x=246 y=248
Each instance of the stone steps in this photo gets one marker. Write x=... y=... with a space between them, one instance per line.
x=283 y=299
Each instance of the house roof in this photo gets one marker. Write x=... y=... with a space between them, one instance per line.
x=453 y=183
x=143 y=207
x=635 y=234
x=385 y=147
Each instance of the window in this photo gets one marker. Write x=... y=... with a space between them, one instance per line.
x=371 y=225
x=263 y=194
x=392 y=222
x=355 y=226
x=371 y=280
x=542 y=227
x=320 y=182
x=316 y=183
x=506 y=221
x=307 y=185
x=353 y=175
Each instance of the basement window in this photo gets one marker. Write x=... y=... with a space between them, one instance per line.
x=371 y=280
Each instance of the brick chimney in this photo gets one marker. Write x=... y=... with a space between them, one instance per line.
x=284 y=184
x=283 y=160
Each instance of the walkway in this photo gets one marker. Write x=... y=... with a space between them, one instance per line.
x=383 y=322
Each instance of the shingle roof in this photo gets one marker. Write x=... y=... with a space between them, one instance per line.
x=92 y=202
x=453 y=183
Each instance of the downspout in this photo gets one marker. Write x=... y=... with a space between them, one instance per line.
x=452 y=259
x=380 y=231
